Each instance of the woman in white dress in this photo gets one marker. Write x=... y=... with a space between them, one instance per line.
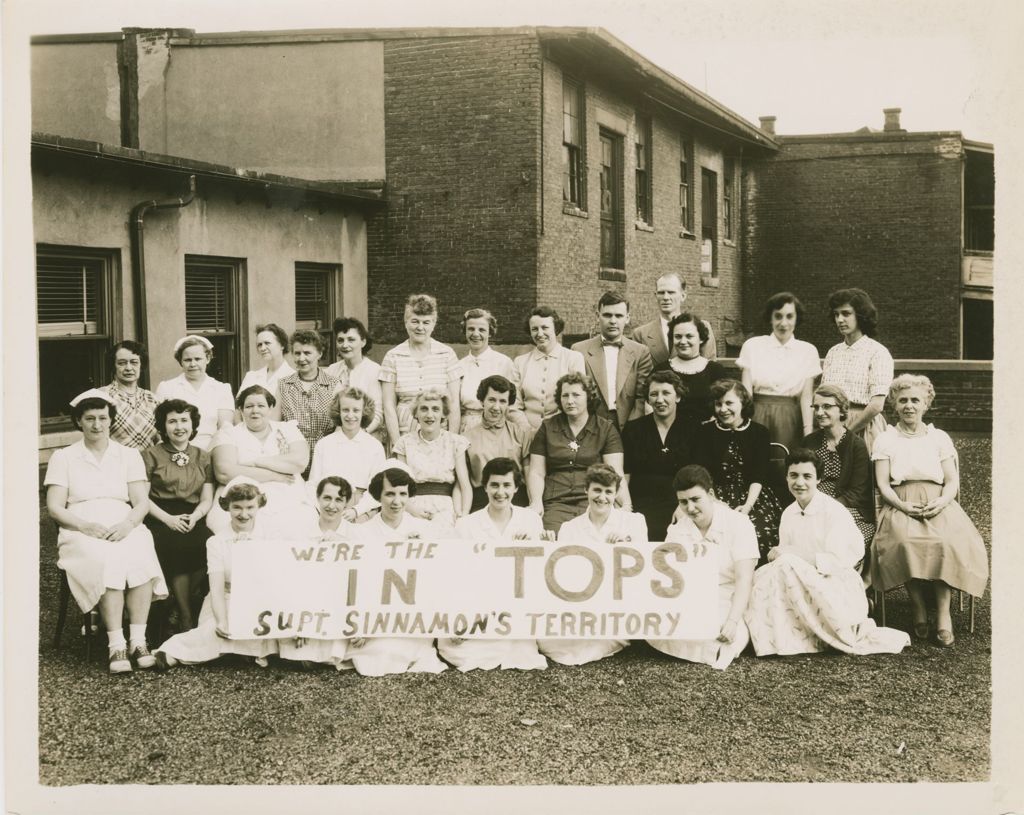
x=779 y=371
x=537 y=372
x=809 y=596
x=333 y=495
x=730 y=534
x=377 y=656
x=271 y=453
x=437 y=460
x=482 y=361
x=350 y=451
x=602 y=523
x=97 y=493
x=498 y=521
x=271 y=345
x=352 y=342
x=213 y=398
x=242 y=500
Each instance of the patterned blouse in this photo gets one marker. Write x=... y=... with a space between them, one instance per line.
x=862 y=370
x=308 y=408
x=432 y=460
x=135 y=423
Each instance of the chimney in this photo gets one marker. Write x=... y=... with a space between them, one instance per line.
x=768 y=124
x=892 y=120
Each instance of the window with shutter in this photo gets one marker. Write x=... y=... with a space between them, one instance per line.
x=213 y=309
x=315 y=298
x=75 y=300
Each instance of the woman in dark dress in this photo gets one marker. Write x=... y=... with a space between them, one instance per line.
x=565 y=446
x=846 y=463
x=180 y=494
x=656 y=446
x=736 y=451
x=686 y=334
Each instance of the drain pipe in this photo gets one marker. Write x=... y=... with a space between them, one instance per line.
x=136 y=229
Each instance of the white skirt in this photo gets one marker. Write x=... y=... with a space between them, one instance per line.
x=328 y=652
x=486 y=655
x=379 y=656
x=202 y=644
x=718 y=655
x=579 y=652
x=94 y=565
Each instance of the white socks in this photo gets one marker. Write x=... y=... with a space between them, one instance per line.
x=115 y=640
x=137 y=635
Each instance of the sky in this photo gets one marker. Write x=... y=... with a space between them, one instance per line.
x=819 y=67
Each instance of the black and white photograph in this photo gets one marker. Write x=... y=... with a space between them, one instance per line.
x=532 y=407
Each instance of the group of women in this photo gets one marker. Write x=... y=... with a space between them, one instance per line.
x=489 y=447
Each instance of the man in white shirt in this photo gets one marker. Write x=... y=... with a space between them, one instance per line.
x=619 y=366
x=670 y=292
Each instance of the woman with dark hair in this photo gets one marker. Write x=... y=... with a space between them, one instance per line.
x=482 y=361
x=810 y=596
x=565 y=446
x=779 y=371
x=273 y=454
x=134 y=426
x=419 y=363
x=655 y=447
x=925 y=541
x=845 y=462
x=271 y=345
x=241 y=501
x=859 y=364
x=180 y=496
x=730 y=535
x=687 y=334
x=496 y=437
x=736 y=451
x=305 y=397
x=96 y=492
x=213 y=398
x=392 y=487
x=352 y=342
x=538 y=371
x=350 y=451
x=498 y=522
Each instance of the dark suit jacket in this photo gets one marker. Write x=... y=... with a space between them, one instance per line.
x=651 y=335
x=626 y=393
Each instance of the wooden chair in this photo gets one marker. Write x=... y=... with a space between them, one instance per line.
x=88 y=628
x=777 y=460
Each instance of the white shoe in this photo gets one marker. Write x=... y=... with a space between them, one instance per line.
x=119 y=662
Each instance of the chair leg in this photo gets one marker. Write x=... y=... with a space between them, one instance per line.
x=62 y=609
x=881 y=604
x=961 y=594
x=970 y=603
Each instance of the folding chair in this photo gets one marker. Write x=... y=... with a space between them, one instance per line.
x=777 y=460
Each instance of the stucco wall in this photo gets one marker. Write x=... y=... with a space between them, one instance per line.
x=75 y=90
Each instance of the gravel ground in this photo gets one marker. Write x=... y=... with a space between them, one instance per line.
x=636 y=718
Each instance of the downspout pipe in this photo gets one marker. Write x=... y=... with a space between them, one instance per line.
x=136 y=224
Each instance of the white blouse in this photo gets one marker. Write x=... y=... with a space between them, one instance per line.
x=732 y=534
x=479 y=526
x=914 y=458
x=268 y=380
x=476 y=369
x=631 y=525
x=823 y=534
x=356 y=459
x=210 y=397
x=87 y=478
x=776 y=369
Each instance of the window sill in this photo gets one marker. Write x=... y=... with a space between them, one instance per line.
x=727 y=242
x=618 y=275
x=643 y=226
x=709 y=281
x=575 y=211
x=687 y=234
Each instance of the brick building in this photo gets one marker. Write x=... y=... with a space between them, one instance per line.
x=537 y=165
x=906 y=216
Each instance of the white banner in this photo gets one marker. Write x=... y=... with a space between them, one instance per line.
x=457 y=588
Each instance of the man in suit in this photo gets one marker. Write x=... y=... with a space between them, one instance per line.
x=670 y=291
x=618 y=365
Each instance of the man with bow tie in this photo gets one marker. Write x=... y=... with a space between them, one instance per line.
x=618 y=365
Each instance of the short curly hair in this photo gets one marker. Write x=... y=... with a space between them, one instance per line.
x=92 y=403
x=435 y=395
x=499 y=384
x=603 y=474
x=837 y=393
x=344 y=324
x=904 y=381
x=802 y=455
x=169 y=406
x=502 y=466
x=133 y=347
x=279 y=333
x=589 y=388
x=777 y=301
x=688 y=317
x=396 y=477
x=545 y=313
x=481 y=314
x=242 y=492
x=666 y=377
x=863 y=307
x=306 y=337
x=259 y=390
x=423 y=304
x=344 y=488
x=721 y=387
x=352 y=392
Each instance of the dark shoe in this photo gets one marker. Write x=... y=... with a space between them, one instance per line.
x=921 y=631
x=945 y=637
x=142 y=658
x=119 y=663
